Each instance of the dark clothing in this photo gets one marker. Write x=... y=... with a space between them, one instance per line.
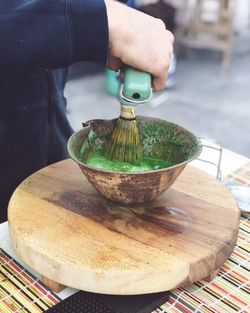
x=38 y=38
x=162 y=10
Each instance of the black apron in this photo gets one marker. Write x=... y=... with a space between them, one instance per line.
x=33 y=128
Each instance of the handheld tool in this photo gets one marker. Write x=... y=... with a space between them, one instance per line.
x=125 y=143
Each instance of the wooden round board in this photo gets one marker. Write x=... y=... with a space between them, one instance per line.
x=63 y=228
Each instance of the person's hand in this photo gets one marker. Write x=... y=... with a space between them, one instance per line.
x=138 y=40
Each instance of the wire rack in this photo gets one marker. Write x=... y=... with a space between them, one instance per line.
x=211 y=155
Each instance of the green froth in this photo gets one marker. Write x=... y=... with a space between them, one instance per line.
x=164 y=144
x=100 y=161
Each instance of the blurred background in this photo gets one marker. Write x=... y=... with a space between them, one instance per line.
x=209 y=80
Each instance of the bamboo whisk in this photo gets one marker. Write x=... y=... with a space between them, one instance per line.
x=125 y=144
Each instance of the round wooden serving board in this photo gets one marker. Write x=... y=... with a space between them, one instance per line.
x=63 y=228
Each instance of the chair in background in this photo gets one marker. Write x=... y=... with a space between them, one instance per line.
x=207 y=24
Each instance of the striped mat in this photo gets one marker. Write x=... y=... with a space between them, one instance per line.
x=229 y=291
x=241 y=175
x=20 y=291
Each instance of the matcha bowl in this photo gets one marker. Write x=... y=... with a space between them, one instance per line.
x=160 y=139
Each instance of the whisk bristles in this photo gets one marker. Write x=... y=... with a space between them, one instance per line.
x=125 y=145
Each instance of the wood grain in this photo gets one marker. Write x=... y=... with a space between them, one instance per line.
x=65 y=230
x=52 y=285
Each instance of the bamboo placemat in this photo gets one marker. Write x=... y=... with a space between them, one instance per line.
x=20 y=291
x=241 y=176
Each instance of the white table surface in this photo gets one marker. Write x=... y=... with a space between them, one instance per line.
x=229 y=162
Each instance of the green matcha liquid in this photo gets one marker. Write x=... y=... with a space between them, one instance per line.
x=99 y=161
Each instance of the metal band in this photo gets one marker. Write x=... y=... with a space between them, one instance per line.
x=128 y=119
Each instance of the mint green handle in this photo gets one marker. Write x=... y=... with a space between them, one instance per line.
x=137 y=84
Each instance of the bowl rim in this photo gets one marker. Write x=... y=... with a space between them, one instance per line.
x=192 y=158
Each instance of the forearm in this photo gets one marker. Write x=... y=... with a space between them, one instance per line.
x=43 y=34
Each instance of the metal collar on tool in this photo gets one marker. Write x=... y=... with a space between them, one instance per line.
x=131 y=102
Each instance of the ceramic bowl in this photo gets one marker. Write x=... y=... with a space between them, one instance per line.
x=159 y=138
